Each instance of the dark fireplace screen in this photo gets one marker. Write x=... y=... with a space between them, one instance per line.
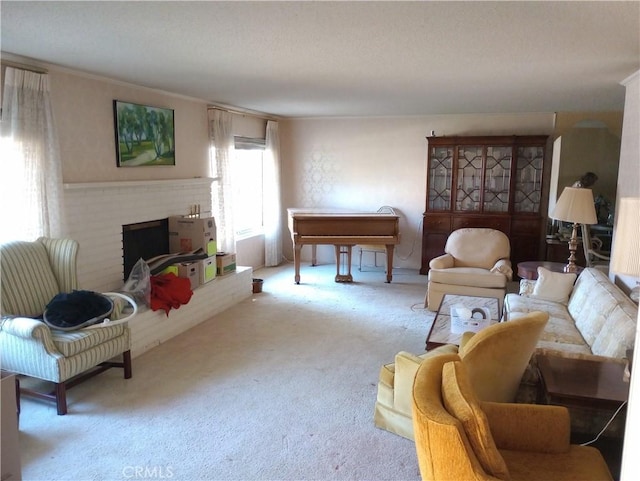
x=144 y=240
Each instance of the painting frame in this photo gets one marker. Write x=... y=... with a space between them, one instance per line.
x=144 y=135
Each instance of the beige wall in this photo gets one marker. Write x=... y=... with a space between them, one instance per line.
x=83 y=109
x=568 y=120
x=364 y=163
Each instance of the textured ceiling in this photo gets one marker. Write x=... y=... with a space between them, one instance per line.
x=345 y=58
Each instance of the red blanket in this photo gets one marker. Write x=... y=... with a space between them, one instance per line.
x=169 y=291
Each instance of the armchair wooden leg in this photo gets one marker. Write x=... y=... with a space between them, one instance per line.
x=59 y=393
x=126 y=361
x=61 y=398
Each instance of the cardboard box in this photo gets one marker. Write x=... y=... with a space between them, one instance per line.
x=188 y=270
x=187 y=234
x=172 y=269
x=207 y=269
x=191 y=271
x=226 y=263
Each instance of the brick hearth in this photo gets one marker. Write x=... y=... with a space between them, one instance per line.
x=96 y=213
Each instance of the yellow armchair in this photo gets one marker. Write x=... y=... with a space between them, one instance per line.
x=496 y=358
x=459 y=437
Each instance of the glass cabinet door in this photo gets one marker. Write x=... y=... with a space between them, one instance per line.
x=497 y=179
x=440 y=169
x=469 y=180
x=528 y=186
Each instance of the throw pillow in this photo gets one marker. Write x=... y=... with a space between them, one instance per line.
x=461 y=402
x=553 y=286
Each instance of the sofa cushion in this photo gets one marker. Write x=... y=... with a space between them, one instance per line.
x=619 y=334
x=70 y=343
x=517 y=306
x=468 y=276
x=592 y=304
x=560 y=333
x=460 y=400
x=553 y=286
x=599 y=318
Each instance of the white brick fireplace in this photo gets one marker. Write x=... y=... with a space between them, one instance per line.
x=96 y=213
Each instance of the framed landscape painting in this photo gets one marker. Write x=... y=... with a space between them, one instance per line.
x=144 y=135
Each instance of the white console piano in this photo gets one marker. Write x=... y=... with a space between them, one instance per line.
x=342 y=229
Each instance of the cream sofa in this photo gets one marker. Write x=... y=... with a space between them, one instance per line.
x=598 y=320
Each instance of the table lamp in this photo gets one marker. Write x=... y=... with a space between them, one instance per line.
x=575 y=205
x=626 y=254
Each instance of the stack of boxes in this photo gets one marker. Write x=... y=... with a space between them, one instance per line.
x=188 y=234
x=225 y=263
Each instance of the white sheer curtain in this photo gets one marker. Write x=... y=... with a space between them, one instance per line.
x=272 y=214
x=221 y=137
x=31 y=203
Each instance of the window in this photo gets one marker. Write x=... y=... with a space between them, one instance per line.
x=23 y=216
x=247 y=171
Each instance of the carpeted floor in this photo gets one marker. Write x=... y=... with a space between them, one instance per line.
x=279 y=387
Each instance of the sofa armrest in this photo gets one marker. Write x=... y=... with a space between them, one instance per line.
x=445 y=261
x=547 y=428
x=503 y=266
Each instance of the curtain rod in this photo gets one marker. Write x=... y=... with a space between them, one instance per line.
x=240 y=112
x=22 y=66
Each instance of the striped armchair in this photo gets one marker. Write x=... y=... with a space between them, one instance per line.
x=32 y=273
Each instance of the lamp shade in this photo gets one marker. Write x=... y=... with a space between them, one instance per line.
x=575 y=205
x=626 y=253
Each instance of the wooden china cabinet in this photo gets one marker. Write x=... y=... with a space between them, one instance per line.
x=491 y=181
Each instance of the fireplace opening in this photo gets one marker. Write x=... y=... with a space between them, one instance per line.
x=144 y=240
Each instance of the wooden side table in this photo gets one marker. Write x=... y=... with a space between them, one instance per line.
x=592 y=391
x=596 y=386
x=10 y=454
x=529 y=269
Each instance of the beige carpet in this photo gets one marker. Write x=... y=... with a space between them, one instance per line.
x=279 y=387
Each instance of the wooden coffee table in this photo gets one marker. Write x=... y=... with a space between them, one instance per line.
x=440 y=332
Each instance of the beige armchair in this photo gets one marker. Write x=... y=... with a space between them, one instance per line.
x=496 y=359
x=476 y=263
x=32 y=273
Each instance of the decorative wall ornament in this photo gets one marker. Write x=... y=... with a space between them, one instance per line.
x=319 y=176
